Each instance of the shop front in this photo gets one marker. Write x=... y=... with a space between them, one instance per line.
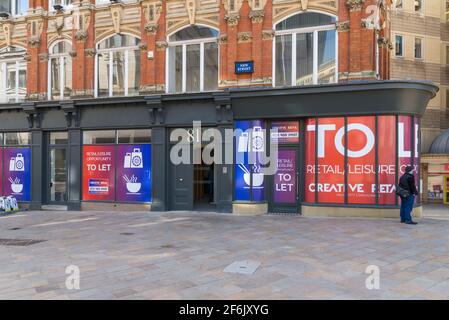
x=339 y=150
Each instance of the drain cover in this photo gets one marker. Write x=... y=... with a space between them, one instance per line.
x=19 y=242
x=243 y=267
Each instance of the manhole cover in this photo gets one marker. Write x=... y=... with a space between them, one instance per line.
x=19 y=242
x=243 y=267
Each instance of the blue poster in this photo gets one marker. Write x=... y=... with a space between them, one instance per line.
x=133 y=170
x=249 y=139
x=17 y=173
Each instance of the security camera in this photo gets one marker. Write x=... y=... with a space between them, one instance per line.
x=58 y=7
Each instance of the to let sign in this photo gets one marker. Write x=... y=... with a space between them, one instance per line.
x=244 y=67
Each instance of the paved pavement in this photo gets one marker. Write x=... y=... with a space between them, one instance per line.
x=182 y=255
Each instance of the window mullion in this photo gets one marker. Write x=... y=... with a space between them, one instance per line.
x=293 y=79
x=16 y=91
x=111 y=72
x=315 y=57
x=184 y=68
x=202 y=66
x=61 y=78
x=126 y=72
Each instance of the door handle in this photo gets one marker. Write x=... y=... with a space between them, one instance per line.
x=51 y=184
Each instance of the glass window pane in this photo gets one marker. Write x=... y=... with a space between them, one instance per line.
x=283 y=64
x=5 y=6
x=21 y=6
x=326 y=57
x=118 y=73
x=193 y=67
x=55 y=74
x=175 y=71
x=103 y=74
x=304 y=59
x=17 y=138
x=62 y=47
x=194 y=32
x=59 y=137
x=119 y=40
x=133 y=72
x=134 y=136
x=210 y=66
x=304 y=20
x=398 y=46
x=418 y=48
x=67 y=76
x=1 y=139
x=99 y=137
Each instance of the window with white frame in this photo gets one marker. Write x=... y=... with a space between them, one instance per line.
x=305 y=50
x=12 y=74
x=117 y=69
x=64 y=3
x=14 y=7
x=418 y=48
x=60 y=71
x=192 y=60
x=399 y=46
x=418 y=5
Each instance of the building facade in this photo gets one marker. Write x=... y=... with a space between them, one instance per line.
x=420 y=30
x=94 y=91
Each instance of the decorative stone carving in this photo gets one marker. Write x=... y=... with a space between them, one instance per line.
x=8 y=28
x=34 y=41
x=161 y=45
x=384 y=43
x=257 y=4
x=90 y=52
x=81 y=35
x=27 y=57
x=152 y=12
x=232 y=19
x=73 y=53
x=58 y=24
x=143 y=46
x=304 y=4
x=223 y=39
x=191 y=10
x=232 y=8
x=256 y=16
x=342 y=26
x=267 y=34
x=244 y=36
x=354 y=5
x=35 y=28
x=43 y=56
x=116 y=14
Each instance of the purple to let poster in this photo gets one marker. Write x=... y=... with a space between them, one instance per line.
x=285 y=177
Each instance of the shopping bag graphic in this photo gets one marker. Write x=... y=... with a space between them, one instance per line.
x=17 y=163
x=243 y=143
x=127 y=160
x=136 y=158
x=257 y=140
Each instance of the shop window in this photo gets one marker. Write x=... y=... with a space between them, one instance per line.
x=418 y=48
x=117 y=171
x=358 y=160
x=248 y=177
x=399 y=46
x=305 y=50
x=99 y=137
x=193 y=60
x=118 y=66
x=17 y=138
x=60 y=71
x=12 y=74
x=14 y=7
x=134 y=136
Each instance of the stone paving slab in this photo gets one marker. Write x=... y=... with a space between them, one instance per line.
x=183 y=255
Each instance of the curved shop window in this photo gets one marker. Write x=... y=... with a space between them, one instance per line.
x=305 y=50
x=117 y=165
x=60 y=71
x=15 y=165
x=12 y=74
x=192 y=60
x=358 y=160
x=117 y=69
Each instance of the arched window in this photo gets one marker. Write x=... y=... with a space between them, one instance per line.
x=60 y=71
x=193 y=60
x=305 y=50
x=12 y=74
x=118 y=66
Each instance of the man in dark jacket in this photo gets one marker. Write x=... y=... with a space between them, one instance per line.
x=407 y=182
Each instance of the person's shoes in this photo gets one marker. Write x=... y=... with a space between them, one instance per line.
x=402 y=221
x=411 y=222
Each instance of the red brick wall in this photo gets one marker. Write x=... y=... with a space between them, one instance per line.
x=356 y=54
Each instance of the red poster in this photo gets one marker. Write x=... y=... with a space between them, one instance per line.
x=386 y=132
x=310 y=161
x=99 y=173
x=330 y=150
x=361 y=160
